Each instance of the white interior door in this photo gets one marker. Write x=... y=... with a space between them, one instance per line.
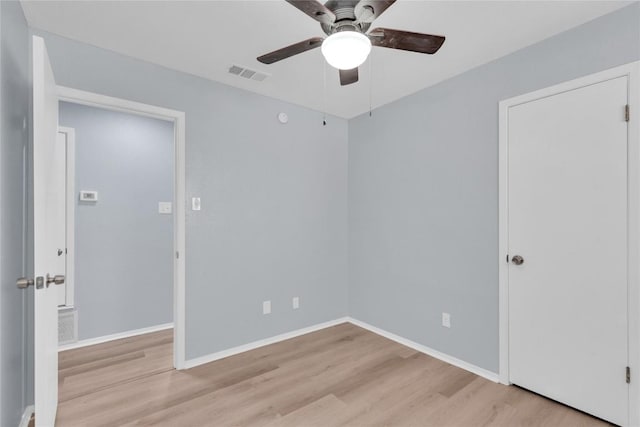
x=47 y=222
x=567 y=201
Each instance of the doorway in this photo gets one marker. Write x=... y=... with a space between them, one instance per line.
x=119 y=237
x=168 y=211
x=568 y=243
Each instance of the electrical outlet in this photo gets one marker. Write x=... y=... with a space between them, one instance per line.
x=446 y=320
x=296 y=303
x=266 y=307
x=164 y=208
x=88 y=196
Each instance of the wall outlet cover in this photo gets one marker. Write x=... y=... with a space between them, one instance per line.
x=296 y=303
x=164 y=208
x=446 y=320
x=195 y=204
x=266 y=307
x=88 y=196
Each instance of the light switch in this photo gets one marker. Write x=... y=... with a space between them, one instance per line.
x=195 y=203
x=164 y=208
x=446 y=320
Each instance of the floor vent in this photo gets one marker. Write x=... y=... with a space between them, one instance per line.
x=247 y=73
x=67 y=326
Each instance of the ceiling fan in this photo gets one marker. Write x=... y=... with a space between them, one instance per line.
x=349 y=41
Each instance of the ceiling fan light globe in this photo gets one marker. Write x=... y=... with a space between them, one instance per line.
x=346 y=50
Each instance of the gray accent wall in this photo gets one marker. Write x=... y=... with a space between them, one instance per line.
x=423 y=191
x=123 y=246
x=273 y=223
x=14 y=137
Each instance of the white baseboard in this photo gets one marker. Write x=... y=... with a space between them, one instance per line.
x=492 y=376
x=112 y=337
x=26 y=416
x=261 y=343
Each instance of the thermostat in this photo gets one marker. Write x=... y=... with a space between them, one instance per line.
x=88 y=196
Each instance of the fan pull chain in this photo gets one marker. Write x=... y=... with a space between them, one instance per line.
x=324 y=92
x=370 y=81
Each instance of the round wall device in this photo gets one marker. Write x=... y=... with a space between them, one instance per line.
x=283 y=118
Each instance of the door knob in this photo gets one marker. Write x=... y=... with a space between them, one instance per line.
x=24 y=283
x=517 y=260
x=57 y=279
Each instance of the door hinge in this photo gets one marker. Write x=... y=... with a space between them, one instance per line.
x=628 y=375
x=627 y=113
x=177 y=255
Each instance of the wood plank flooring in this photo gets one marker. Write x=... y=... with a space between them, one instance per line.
x=339 y=376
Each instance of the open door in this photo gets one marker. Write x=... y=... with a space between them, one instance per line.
x=47 y=223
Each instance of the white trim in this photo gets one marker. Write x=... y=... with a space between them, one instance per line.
x=191 y=363
x=632 y=71
x=113 y=337
x=503 y=245
x=70 y=214
x=91 y=99
x=179 y=221
x=179 y=239
x=26 y=416
x=491 y=376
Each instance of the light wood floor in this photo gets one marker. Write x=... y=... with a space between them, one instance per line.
x=340 y=376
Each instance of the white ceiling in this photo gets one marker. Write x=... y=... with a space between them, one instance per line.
x=205 y=38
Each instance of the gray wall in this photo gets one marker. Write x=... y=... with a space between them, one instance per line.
x=423 y=191
x=123 y=246
x=14 y=109
x=273 y=223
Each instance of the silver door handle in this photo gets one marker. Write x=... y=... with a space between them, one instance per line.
x=58 y=279
x=24 y=283
x=517 y=260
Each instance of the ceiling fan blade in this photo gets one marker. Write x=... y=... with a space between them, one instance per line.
x=348 y=77
x=294 y=49
x=405 y=40
x=368 y=10
x=314 y=9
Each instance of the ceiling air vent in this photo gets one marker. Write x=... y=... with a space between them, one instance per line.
x=247 y=73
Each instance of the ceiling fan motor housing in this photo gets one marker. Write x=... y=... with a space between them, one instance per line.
x=345 y=17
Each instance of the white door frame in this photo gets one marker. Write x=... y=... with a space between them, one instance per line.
x=632 y=72
x=70 y=213
x=178 y=118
